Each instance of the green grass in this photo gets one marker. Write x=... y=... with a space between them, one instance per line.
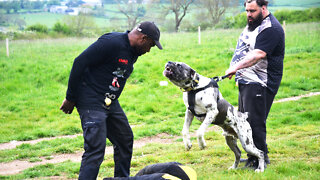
x=49 y=19
x=33 y=82
x=294 y=150
x=34 y=79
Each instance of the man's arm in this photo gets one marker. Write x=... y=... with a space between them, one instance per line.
x=251 y=59
x=92 y=55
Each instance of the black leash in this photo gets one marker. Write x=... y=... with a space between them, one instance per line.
x=220 y=78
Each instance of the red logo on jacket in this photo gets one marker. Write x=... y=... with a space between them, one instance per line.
x=123 y=61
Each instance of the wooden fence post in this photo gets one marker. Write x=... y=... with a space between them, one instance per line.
x=284 y=27
x=199 y=35
x=7 y=46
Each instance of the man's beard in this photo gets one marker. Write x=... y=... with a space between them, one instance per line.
x=255 y=23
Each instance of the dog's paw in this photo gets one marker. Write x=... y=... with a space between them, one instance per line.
x=202 y=147
x=259 y=170
x=188 y=146
x=232 y=167
x=202 y=143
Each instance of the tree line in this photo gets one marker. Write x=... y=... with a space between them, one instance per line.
x=209 y=14
x=134 y=10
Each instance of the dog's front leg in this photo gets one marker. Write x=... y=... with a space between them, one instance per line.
x=186 y=128
x=210 y=117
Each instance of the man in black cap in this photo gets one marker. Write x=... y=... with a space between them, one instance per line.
x=97 y=78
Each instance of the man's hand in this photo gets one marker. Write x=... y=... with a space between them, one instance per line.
x=67 y=106
x=231 y=71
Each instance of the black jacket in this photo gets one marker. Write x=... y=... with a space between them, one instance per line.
x=101 y=71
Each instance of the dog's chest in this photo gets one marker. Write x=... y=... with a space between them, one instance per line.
x=203 y=101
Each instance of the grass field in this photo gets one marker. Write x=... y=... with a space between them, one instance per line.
x=33 y=81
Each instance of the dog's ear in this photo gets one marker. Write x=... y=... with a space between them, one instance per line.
x=194 y=77
x=192 y=73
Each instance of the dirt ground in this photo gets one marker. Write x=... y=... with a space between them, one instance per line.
x=17 y=166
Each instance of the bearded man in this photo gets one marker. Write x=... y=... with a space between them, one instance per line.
x=257 y=64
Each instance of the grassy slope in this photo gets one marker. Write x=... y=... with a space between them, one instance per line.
x=49 y=19
x=33 y=84
x=34 y=79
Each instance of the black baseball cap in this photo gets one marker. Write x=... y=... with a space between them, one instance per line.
x=151 y=30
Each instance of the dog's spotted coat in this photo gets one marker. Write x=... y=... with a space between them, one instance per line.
x=218 y=111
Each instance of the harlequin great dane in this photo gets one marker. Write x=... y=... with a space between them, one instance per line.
x=203 y=100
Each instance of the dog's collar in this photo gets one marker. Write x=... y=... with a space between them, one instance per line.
x=186 y=89
x=194 y=83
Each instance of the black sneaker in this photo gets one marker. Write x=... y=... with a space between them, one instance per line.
x=266 y=160
x=252 y=163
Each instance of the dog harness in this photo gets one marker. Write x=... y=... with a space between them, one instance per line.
x=192 y=96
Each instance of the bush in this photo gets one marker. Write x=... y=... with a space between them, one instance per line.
x=189 y=26
x=282 y=15
x=3 y=36
x=27 y=35
x=38 y=28
x=290 y=16
x=169 y=25
x=239 y=21
x=296 y=16
x=80 y=24
x=314 y=14
x=61 y=28
x=15 y=35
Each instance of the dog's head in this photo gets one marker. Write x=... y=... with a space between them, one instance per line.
x=179 y=74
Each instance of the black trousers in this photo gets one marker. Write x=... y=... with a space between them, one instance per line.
x=257 y=101
x=97 y=126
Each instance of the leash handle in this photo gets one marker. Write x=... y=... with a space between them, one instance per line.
x=225 y=76
x=220 y=78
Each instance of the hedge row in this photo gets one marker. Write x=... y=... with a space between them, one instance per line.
x=296 y=16
x=290 y=16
